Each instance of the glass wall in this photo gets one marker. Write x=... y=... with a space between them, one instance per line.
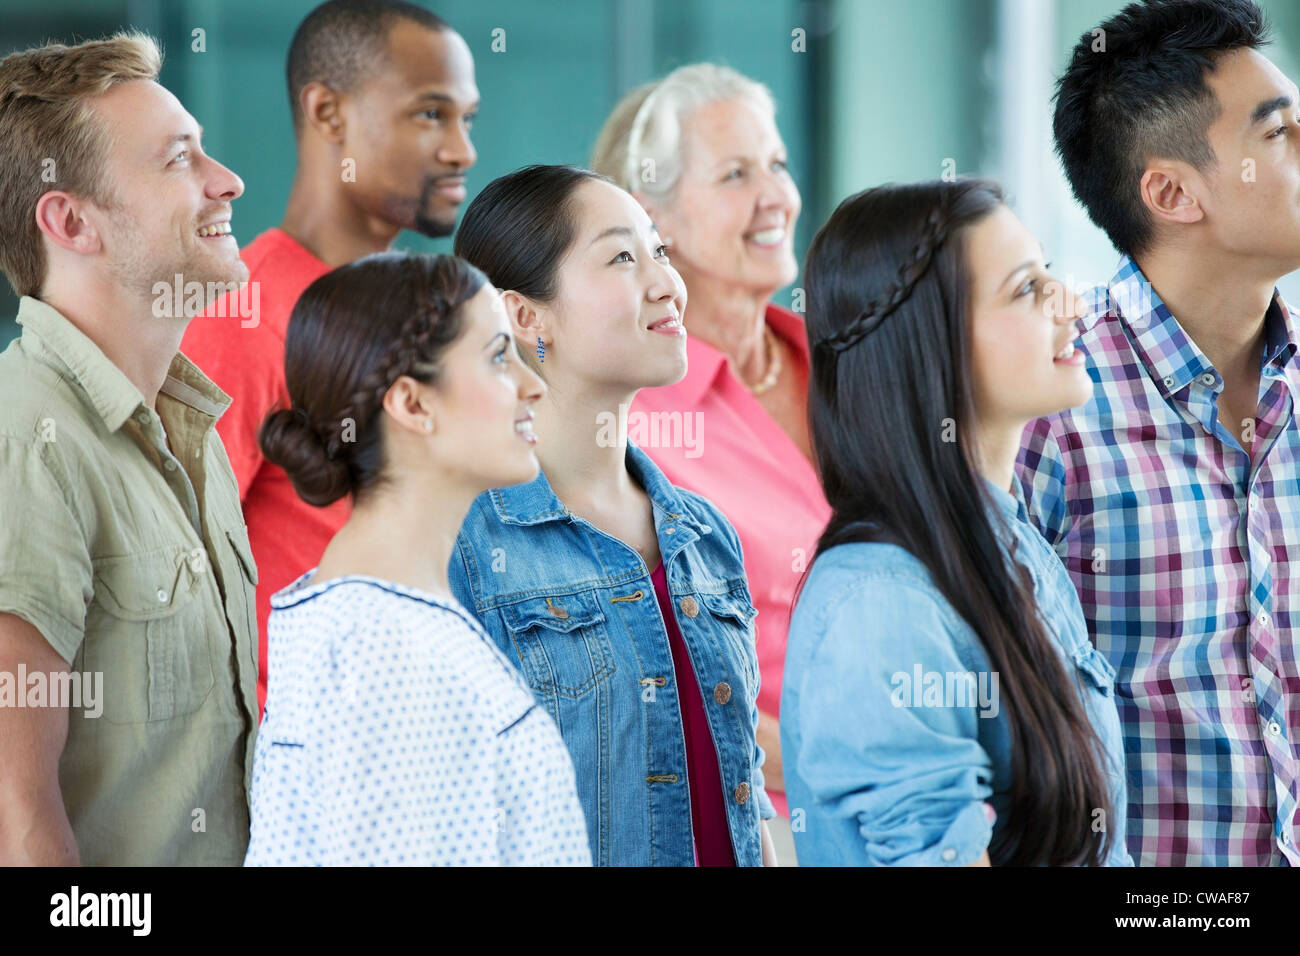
x=869 y=91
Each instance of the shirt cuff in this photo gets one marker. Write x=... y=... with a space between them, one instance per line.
x=64 y=638
x=961 y=844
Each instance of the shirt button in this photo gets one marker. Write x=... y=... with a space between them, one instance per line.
x=722 y=693
x=741 y=793
x=1208 y=379
x=949 y=855
x=143 y=418
x=1169 y=383
x=690 y=607
x=162 y=596
x=169 y=465
x=705 y=529
x=1274 y=728
x=1263 y=618
x=670 y=530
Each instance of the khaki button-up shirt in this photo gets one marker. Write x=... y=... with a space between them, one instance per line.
x=132 y=559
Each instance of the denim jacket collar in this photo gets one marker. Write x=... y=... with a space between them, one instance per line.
x=535 y=503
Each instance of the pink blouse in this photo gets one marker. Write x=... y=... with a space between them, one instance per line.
x=710 y=435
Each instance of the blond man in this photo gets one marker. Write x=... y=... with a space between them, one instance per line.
x=128 y=647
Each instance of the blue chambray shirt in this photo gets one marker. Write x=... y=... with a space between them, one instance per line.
x=575 y=610
x=889 y=760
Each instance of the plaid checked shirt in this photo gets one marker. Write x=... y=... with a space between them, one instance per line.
x=1180 y=545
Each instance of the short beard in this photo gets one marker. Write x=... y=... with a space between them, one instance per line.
x=426 y=226
x=139 y=275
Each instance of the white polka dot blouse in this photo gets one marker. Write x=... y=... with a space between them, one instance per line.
x=397 y=734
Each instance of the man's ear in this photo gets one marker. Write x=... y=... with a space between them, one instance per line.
x=1172 y=191
x=322 y=111
x=61 y=217
x=527 y=320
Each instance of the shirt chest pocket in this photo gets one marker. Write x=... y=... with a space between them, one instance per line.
x=733 y=616
x=243 y=596
x=147 y=633
x=562 y=642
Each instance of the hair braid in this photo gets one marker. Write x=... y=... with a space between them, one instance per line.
x=415 y=341
x=912 y=270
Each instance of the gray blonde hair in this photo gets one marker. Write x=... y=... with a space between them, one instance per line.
x=640 y=146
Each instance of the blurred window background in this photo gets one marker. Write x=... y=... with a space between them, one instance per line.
x=868 y=91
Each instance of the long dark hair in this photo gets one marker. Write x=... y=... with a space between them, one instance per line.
x=352 y=333
x=890 y=390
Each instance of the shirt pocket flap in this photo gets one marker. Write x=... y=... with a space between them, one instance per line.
x=142 y=587
x=729 y=605
x=564 y=613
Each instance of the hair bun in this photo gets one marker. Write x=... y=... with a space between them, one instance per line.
x=288 y=439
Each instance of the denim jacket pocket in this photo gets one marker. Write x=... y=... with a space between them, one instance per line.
x=146 y=633
x=562 y=642
x=735 y=617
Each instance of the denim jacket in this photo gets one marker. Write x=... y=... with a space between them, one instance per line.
x=892 y=733
x=574 y=608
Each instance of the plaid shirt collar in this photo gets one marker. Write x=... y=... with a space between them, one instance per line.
x=1171 y=358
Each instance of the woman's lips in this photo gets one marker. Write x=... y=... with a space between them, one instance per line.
x=524 y=429
x=668 y=325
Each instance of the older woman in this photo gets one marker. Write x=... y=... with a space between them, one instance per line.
x=701 y=152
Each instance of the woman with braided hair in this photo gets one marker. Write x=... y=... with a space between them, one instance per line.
x=942 y=703
x=395 y=732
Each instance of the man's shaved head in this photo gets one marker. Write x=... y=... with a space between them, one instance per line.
x=343 y=42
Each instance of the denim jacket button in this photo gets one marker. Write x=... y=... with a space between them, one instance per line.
x=741 y=793
x=722 y=693
x=690 y=607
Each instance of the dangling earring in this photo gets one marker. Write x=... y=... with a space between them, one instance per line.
x=428 y=424
x=541 y=350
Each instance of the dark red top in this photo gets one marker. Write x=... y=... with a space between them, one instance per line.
x=708 y=804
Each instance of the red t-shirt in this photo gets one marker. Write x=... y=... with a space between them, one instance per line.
x=708 y=805
x=287 y=534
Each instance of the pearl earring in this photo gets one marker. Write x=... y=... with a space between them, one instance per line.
x=428 y=424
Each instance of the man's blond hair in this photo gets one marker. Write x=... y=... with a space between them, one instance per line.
x=51 y=138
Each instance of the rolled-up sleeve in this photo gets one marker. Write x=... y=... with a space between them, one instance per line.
x=45 y=567
x=909 y=772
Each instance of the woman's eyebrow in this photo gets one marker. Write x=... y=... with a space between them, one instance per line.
x=612 y=231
